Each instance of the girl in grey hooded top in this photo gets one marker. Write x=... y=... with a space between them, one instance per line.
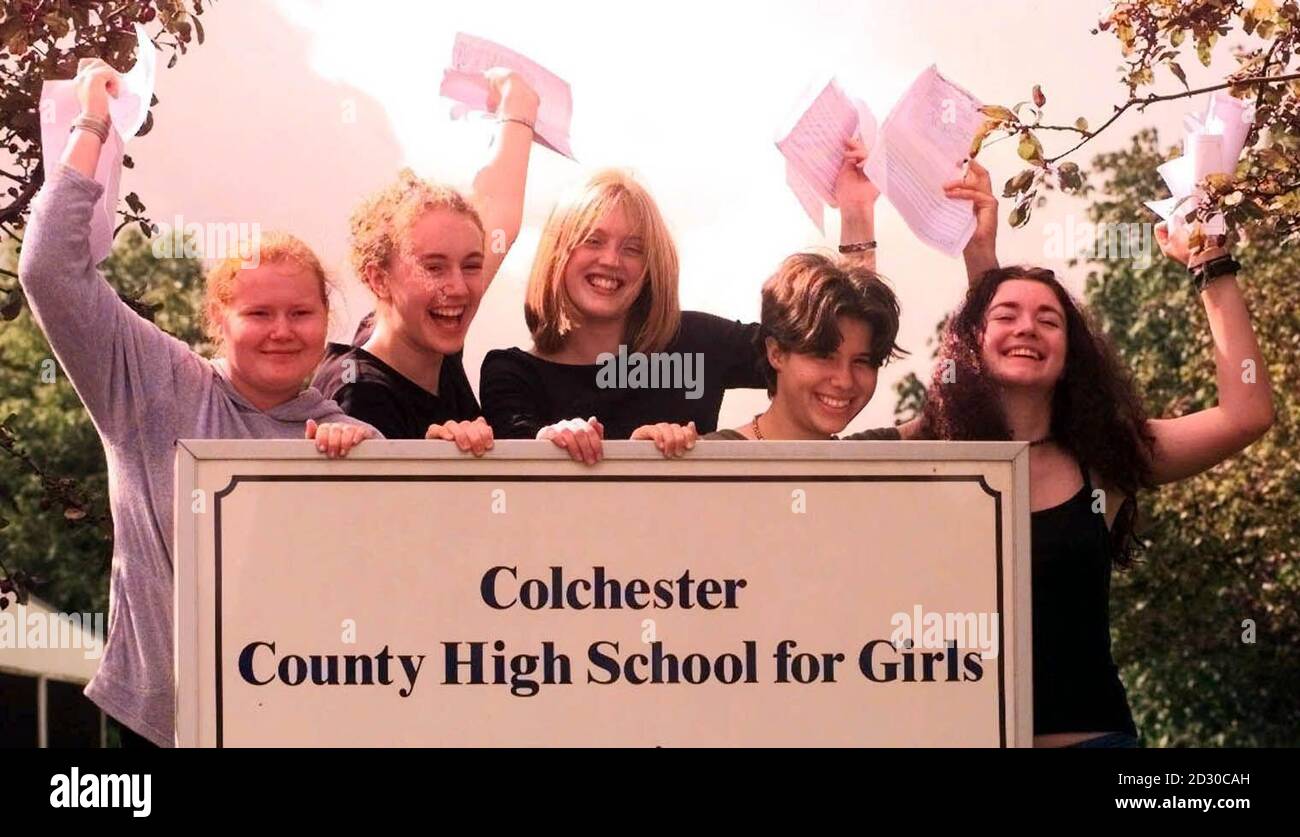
x=144 y=390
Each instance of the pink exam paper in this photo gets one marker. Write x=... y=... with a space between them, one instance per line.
x=463 y=82
x=813 y=147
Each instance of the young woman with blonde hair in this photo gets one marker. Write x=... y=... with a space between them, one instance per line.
x=604 y=288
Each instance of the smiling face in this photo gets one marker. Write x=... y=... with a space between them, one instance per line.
x=823 y=393
x=1024 y=338
x=607 y=270
x=273 y=330
x=433 y=285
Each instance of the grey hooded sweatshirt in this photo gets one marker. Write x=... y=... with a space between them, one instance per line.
x=144 y=390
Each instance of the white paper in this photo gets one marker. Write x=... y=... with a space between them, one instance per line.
x=1165 y=208
x=921 y=145
x=807 y=197
x=463 y=82
x=813 y=145
x=1229 y=118
x=59 y=107
x=1179 y=175
x=1206 y=153
x=1213 y=145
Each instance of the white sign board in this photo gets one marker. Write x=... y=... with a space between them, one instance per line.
x=788 y=594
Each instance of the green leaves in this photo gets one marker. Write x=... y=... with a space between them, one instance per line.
x=1030 y=149
x=1024 y=208
x=1259 y=17
x=1019 y=215
x=1204 y=50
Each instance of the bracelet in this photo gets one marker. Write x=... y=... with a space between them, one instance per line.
x=858 y=247
x=1216 y=268
x=93 y=124
x=1205 y=256
x=529 y=125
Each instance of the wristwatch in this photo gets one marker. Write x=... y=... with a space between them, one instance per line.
x=1206 y=272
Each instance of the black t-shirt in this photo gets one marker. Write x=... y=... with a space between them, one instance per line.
x=395 y=405
x=685 y=382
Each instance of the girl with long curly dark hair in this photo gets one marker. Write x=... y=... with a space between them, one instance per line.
x=1020 y=360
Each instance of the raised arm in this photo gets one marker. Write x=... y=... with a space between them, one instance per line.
x=1190 y=444
x=498 y=191
x=981 y=253
x=119 y=363
x=856 y=195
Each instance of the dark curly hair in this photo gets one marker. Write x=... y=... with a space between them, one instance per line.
x=1096 y=413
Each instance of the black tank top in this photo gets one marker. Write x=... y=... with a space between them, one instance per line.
x=1076 y=682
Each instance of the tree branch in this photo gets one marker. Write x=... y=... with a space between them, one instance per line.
x=1062 y=128
x=14 y=211
x=60 y=490
x=1141 y=102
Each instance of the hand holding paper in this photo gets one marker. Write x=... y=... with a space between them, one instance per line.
x=60 y=105
x=1213 y=145
x=854 y=191
x=976 y=186
x=918 y=149
x=510 y=96
x=96 y=85
x=465 y=83
x=814 y=146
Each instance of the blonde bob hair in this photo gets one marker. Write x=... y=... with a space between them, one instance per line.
x=655 y=314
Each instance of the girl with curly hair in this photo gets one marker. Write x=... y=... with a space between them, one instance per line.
x=1020 y=360
x=428 y=253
